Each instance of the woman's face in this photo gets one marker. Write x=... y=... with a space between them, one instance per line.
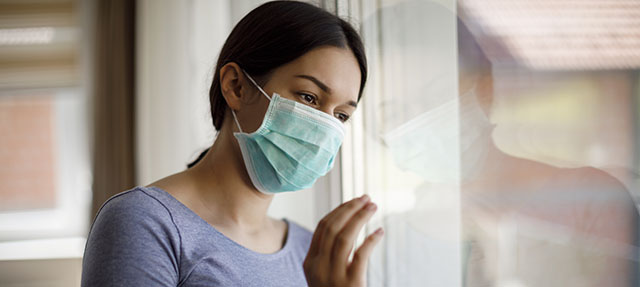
x=326 y=78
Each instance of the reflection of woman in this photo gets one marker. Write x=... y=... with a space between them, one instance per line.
x=523 y=218
x=287 y=78
x=523 y=222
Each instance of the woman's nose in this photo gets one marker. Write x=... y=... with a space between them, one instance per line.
x=327 y=109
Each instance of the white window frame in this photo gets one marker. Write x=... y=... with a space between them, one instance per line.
x=72 y=108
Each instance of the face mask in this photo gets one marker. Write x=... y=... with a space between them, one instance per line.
x=295 y=145
x=442 y=145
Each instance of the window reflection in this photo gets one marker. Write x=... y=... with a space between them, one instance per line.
x=518 y=153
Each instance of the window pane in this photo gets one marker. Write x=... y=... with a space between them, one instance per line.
x=411 y=114
x=27 y=155
x=502 y=142
x=44 y=119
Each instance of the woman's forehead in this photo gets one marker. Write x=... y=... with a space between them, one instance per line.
x=332 y=68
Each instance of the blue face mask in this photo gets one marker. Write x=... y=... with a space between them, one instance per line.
x=295 y=145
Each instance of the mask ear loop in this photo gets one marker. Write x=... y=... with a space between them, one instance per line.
x=256 y=84
x=235 y=118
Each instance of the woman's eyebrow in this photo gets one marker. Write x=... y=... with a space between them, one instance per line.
x=320 y=84
x=324 y=87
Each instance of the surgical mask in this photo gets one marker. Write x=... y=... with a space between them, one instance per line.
x=442 y=145
x=295 y=145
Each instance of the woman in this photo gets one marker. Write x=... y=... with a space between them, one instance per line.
x=287 y=78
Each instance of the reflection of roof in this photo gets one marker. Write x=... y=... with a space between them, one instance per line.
x=557 y=35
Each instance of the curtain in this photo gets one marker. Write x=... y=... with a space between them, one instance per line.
x=113 y=147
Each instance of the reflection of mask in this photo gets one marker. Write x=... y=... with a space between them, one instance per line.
x=440 y=146
x=295 y=145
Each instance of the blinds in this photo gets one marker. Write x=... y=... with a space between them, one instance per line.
x=39 y=44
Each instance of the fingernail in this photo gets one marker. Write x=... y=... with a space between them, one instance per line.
x=380 y=231
x=364 y=198
x=371 y=206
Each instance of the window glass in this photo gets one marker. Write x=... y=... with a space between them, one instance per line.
x=500 y=139
x=45 y=173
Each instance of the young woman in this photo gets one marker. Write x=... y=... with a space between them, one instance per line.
x=287 y=78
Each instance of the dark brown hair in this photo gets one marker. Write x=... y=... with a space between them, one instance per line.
x=274 y=34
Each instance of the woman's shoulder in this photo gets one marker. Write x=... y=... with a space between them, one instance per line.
x=136 y=205
x=135 y=198
x=134 y=235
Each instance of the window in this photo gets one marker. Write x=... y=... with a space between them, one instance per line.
x=45 y=175
x=500 y=141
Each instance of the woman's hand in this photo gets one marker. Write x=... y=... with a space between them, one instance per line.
x=327 y=262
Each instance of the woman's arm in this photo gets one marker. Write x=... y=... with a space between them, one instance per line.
x=133 y=242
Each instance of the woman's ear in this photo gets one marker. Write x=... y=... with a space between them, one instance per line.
x=232 y=81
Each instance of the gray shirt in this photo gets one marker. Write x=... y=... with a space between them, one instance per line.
x=146 y=237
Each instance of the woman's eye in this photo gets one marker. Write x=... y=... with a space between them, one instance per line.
x=342 y=117
x=310 y=99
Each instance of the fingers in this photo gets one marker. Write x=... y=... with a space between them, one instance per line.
x=315 y=241
x=358 y=265
x=336 y=220
x=327 y=260
x=327 y=224
x=345 y=239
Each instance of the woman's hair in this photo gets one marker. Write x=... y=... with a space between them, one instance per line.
x=275 y=34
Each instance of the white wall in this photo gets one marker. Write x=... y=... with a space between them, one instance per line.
x=39 y=263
